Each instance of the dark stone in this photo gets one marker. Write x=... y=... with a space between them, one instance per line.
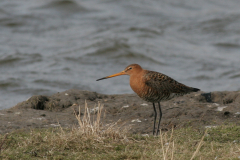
x=207 y=96
x=226 y=113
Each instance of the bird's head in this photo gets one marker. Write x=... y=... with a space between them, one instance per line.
x=129 y=70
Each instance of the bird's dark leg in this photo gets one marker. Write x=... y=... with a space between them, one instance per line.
x=159 y=117
x=155 y=117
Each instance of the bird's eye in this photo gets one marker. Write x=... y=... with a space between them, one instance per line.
x=129 y=68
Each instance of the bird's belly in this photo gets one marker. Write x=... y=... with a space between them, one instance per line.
x=150 y=95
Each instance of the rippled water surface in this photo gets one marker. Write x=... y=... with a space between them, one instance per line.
x=50 y=46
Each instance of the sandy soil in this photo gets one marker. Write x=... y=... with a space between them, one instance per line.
x=199 y=110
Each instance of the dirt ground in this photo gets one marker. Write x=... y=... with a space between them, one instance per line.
x=199 y=110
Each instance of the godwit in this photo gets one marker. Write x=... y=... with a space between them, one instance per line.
x=153 y=87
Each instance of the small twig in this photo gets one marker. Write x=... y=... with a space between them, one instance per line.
x=172 y=150
x=199 y=145
x=169 y=144
x=161 y=138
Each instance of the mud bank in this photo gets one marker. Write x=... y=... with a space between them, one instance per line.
x=199 y=110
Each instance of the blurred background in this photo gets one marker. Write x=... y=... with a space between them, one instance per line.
x=50 y=46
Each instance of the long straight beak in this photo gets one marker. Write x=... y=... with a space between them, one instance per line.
x=114 y=75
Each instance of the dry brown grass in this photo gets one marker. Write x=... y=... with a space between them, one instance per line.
x=92 y=126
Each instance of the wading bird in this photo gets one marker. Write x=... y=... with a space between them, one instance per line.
x=153 y=87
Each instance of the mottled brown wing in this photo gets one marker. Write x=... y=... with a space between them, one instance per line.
x=165 y=84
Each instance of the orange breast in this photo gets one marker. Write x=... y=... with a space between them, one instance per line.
x=137 y=83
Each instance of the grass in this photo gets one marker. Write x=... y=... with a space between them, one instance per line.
x=91 y=139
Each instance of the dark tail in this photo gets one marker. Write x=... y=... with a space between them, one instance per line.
x=195 y=89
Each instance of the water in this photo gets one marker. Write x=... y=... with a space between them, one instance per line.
x=51 y=46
